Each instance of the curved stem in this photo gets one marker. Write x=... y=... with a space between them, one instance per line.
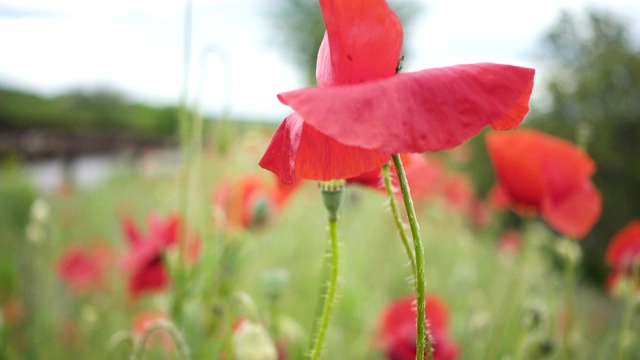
x=331 y=292
x=182 y=350
x=386 y=177
x=117 y=340
x=422 y=337
x=184 y=118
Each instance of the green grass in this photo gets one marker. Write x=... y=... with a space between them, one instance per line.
x=491 y=297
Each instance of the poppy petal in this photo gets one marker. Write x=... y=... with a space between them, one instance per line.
x=624 y=245
x=280 y=155
x=131 y=231
x=293 y=153
x=577 y=213
x=512 y=164
x=429 y=110
x=362 y=43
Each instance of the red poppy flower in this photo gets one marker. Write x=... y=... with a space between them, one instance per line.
x=623 y=253
x=250 y=201
x=83 y=268
x=539 y=173
x=144 y=261
x=398 y=329
x=362 y=111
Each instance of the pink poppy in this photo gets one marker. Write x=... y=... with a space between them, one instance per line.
x=144 y=261
x=539 y=173
x=83 y=267
x=398 y=329
x=362 y=111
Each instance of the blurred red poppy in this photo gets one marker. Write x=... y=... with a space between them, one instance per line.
x=398 y=329
x=144 y=261
x=509 y=242
x=83 y=268
x=250 y=201
x=423 y=174
x=12 y=311
x=361 y=111
x=539 y=173
x=459 y=193
x=623 y=254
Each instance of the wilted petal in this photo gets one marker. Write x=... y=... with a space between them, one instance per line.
x=362 y=43
x=300 y=151
x=429 y=110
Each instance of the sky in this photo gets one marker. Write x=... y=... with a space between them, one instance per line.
x=135 y=46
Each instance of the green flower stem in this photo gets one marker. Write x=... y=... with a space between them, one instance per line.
x=330 y=294
x=185 y=130
x=569 y=279
x=182 y=350
x=629 y=310
x=119 y=339
x=422 y=337
x=386 y=177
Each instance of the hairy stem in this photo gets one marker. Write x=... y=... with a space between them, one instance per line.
x=330 y=294
x=422 y=336
x=386 y=177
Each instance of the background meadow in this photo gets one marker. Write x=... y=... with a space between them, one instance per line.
x=260 y=254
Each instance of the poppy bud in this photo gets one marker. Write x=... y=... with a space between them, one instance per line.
x=274 y=283
x=261 y=210
x=252 y=342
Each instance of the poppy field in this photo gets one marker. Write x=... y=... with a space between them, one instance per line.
x=349 y=231
x=97 y=264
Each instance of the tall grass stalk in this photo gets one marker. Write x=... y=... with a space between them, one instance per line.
x=184 y=119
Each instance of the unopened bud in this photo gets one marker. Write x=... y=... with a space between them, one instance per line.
x=252 y=342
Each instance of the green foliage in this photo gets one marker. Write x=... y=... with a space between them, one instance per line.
x=82 y=110
x=17 y=196
x=594 y=92
x=490 y=295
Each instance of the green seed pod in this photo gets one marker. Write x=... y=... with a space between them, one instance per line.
x=332 y=196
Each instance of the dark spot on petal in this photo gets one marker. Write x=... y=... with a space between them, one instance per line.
x=349 y=57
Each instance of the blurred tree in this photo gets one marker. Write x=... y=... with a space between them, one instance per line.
x=99 y=107
x=298 y=29
x=593 y=87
